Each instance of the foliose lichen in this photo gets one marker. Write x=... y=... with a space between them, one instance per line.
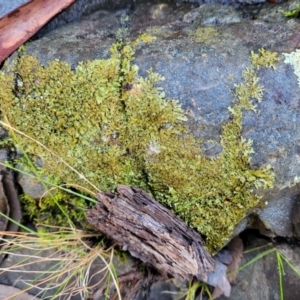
x=264 y=58
x=115 y=127
x=293 y=59
x=204 y=34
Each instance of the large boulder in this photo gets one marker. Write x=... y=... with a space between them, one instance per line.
x=202 y=67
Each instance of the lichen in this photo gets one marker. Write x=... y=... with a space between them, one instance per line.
x=115 y=127
x=264 y=58
x=293 y=59
x=204 y=34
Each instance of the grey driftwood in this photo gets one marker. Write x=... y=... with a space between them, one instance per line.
x=151 y=233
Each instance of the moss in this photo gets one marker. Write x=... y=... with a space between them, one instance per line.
x=114 y=127
x=46 y=210
x=204 y=34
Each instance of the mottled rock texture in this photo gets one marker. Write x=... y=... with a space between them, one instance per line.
x=261 y=279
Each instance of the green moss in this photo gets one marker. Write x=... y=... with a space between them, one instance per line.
x=114 y=127
x=204 y=34
x=46 y=210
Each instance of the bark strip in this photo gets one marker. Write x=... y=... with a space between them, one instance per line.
x=151 y=233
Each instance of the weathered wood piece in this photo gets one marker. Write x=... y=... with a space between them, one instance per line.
x=152 y=233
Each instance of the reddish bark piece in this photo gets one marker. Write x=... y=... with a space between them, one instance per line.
x=151 y=233
x=22 y=23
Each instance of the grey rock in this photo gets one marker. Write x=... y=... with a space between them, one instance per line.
x=223 y=2
x=212 y=14
x=76 y=41
x=201 y=72
x=163 y=290
x=251 y=1
x=4 y=208
x=82 y=8
x=3 y=155
x=277 y=215
x=270 y=12
x=259 y=280
x=199 y=76
x=296 y=217
x=202 y=75
x=31 y=185
x=8 y=292
x=32 y=266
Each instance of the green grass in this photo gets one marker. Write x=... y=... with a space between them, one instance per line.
x=281 y=261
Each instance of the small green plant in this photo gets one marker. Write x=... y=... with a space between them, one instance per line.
x=194 y=286
x=293 y=13
x=47 y=212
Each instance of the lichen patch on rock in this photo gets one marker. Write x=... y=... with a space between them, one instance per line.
x=293 y=59
x=117 y=128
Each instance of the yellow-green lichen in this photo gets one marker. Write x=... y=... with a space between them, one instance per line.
x=204 y=34
x=145 y=38
x=114 y=127
x=264 y=58
x=293 y=59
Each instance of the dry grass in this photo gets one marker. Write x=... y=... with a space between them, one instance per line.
x=68 y=256
x=67 y=253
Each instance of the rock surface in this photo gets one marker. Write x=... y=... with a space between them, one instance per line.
x=4 y=207
x=260 y=279
x=201 y=69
